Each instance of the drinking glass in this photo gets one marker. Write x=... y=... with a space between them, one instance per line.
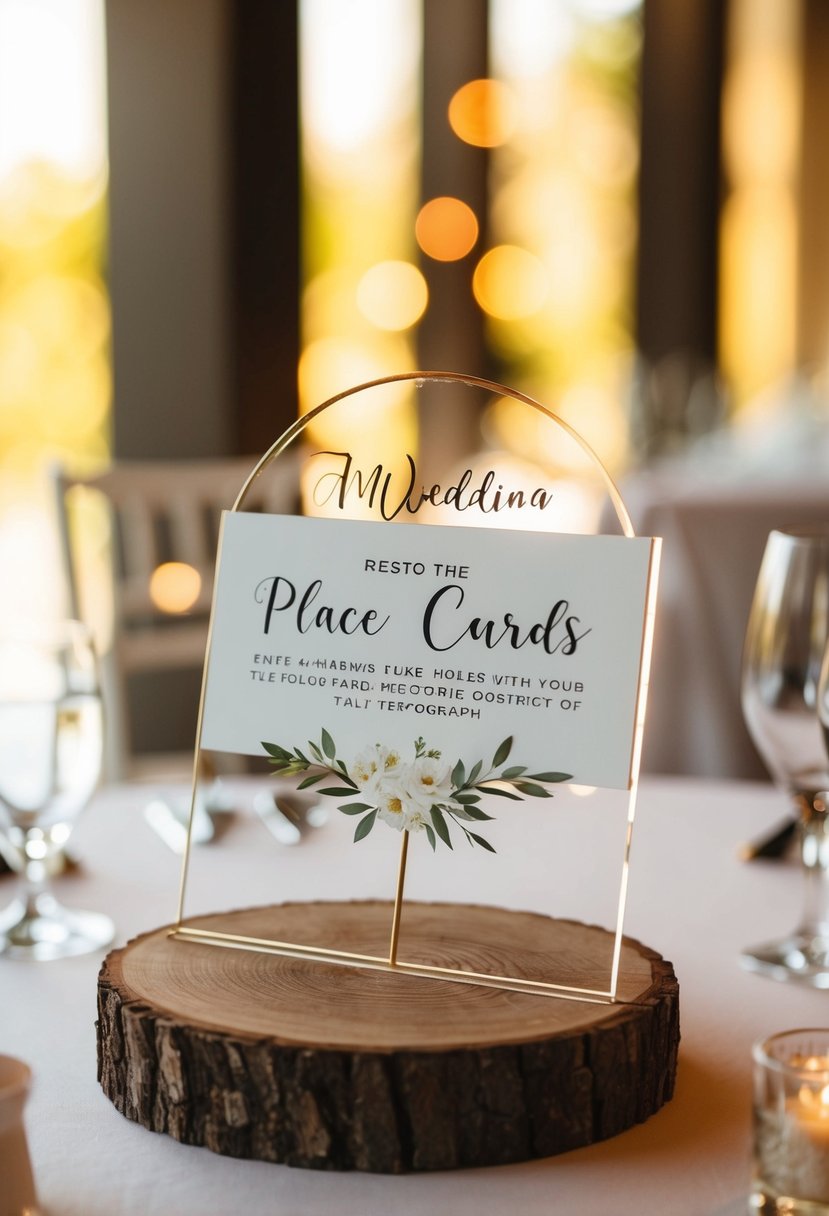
x=51 y=744
x=785 y=642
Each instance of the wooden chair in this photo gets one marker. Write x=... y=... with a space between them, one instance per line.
x=118 y=529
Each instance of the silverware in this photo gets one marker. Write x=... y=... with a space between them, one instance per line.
x=279 y=816
x=170 y=823
x=287 y=815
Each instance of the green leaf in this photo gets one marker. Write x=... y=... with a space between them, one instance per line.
x=328 y=744
x=458 y=776
x=551 y=776
x=502 y=753
x=356 y=808
x=338 y=791
x=440 y=825
x=490 y=789
x=345 y=776
x=312 y=780
x=430 y=836
x=515 y=771
x=475 y=773
x=315 y=752
x=364 y=826
x=465 y=798
x=475 y=812
x=274 y=750
x=534 y=791
x=483 y=843
x=458 y=812
x=303 y=758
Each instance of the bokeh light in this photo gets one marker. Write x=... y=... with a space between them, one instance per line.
x=483 y=113
x=174 y=587
x=446 y=228
x=510 y=283
x=392 y=295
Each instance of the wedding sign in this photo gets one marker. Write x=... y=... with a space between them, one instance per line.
x=367 y=636
x=416 y=674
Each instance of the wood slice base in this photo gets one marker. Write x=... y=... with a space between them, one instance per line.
x=329 y=1067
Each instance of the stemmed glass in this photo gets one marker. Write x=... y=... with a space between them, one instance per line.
x=51 y=746
x=785 y=642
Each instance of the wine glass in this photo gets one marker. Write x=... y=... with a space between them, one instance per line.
x=51 y=744
x=785 y=643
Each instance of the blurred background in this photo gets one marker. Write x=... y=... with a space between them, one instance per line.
x=214 y=214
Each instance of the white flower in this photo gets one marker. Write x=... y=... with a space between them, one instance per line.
x=415 y=821
x=373 y=767
x=428 y=782
x=391 y=803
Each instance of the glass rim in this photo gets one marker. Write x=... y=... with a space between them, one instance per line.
x=761 y=1054
x=804 y=532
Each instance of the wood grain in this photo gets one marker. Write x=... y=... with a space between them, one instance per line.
x=319 y=1065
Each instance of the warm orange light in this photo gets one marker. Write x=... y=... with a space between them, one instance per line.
x=510 y=283
x=174 y=587
x=446 y=228
x=482 y=113
x=392 y=295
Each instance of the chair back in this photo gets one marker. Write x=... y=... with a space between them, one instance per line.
x=121 y=532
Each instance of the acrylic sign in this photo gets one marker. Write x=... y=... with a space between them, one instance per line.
x=458 y=636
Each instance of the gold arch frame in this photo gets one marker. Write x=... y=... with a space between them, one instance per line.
x=392 y=962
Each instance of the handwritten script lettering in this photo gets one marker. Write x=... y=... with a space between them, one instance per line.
x=392 y=493
x=442 y=627
x=557 y=633
x=279 y=594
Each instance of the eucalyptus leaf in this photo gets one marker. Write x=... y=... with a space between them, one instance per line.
x=312 y=780
x=483 y=843
x=328 y=744
x=466 y=798
x=335 y=791
x=475 y=773
x=315 y=752
x=355 y=808
x=516 y=771
x=551 y=776
x=491 y=789
x=430 y=836
x=458 y=812
x=274 y=750
x=475 y=812
x=502 y=753
x=458 y=776
x=440 y=825
x=364 y=826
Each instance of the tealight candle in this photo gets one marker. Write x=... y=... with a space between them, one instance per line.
x=791 y=1123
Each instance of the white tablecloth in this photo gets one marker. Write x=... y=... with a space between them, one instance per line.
x=690 y=899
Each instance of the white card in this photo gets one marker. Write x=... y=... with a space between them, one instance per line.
x=381 y=633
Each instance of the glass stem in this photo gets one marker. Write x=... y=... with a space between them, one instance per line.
x=35 y=876
x=814 y=851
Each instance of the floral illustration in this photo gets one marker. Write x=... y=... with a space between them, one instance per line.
x=424 y=794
